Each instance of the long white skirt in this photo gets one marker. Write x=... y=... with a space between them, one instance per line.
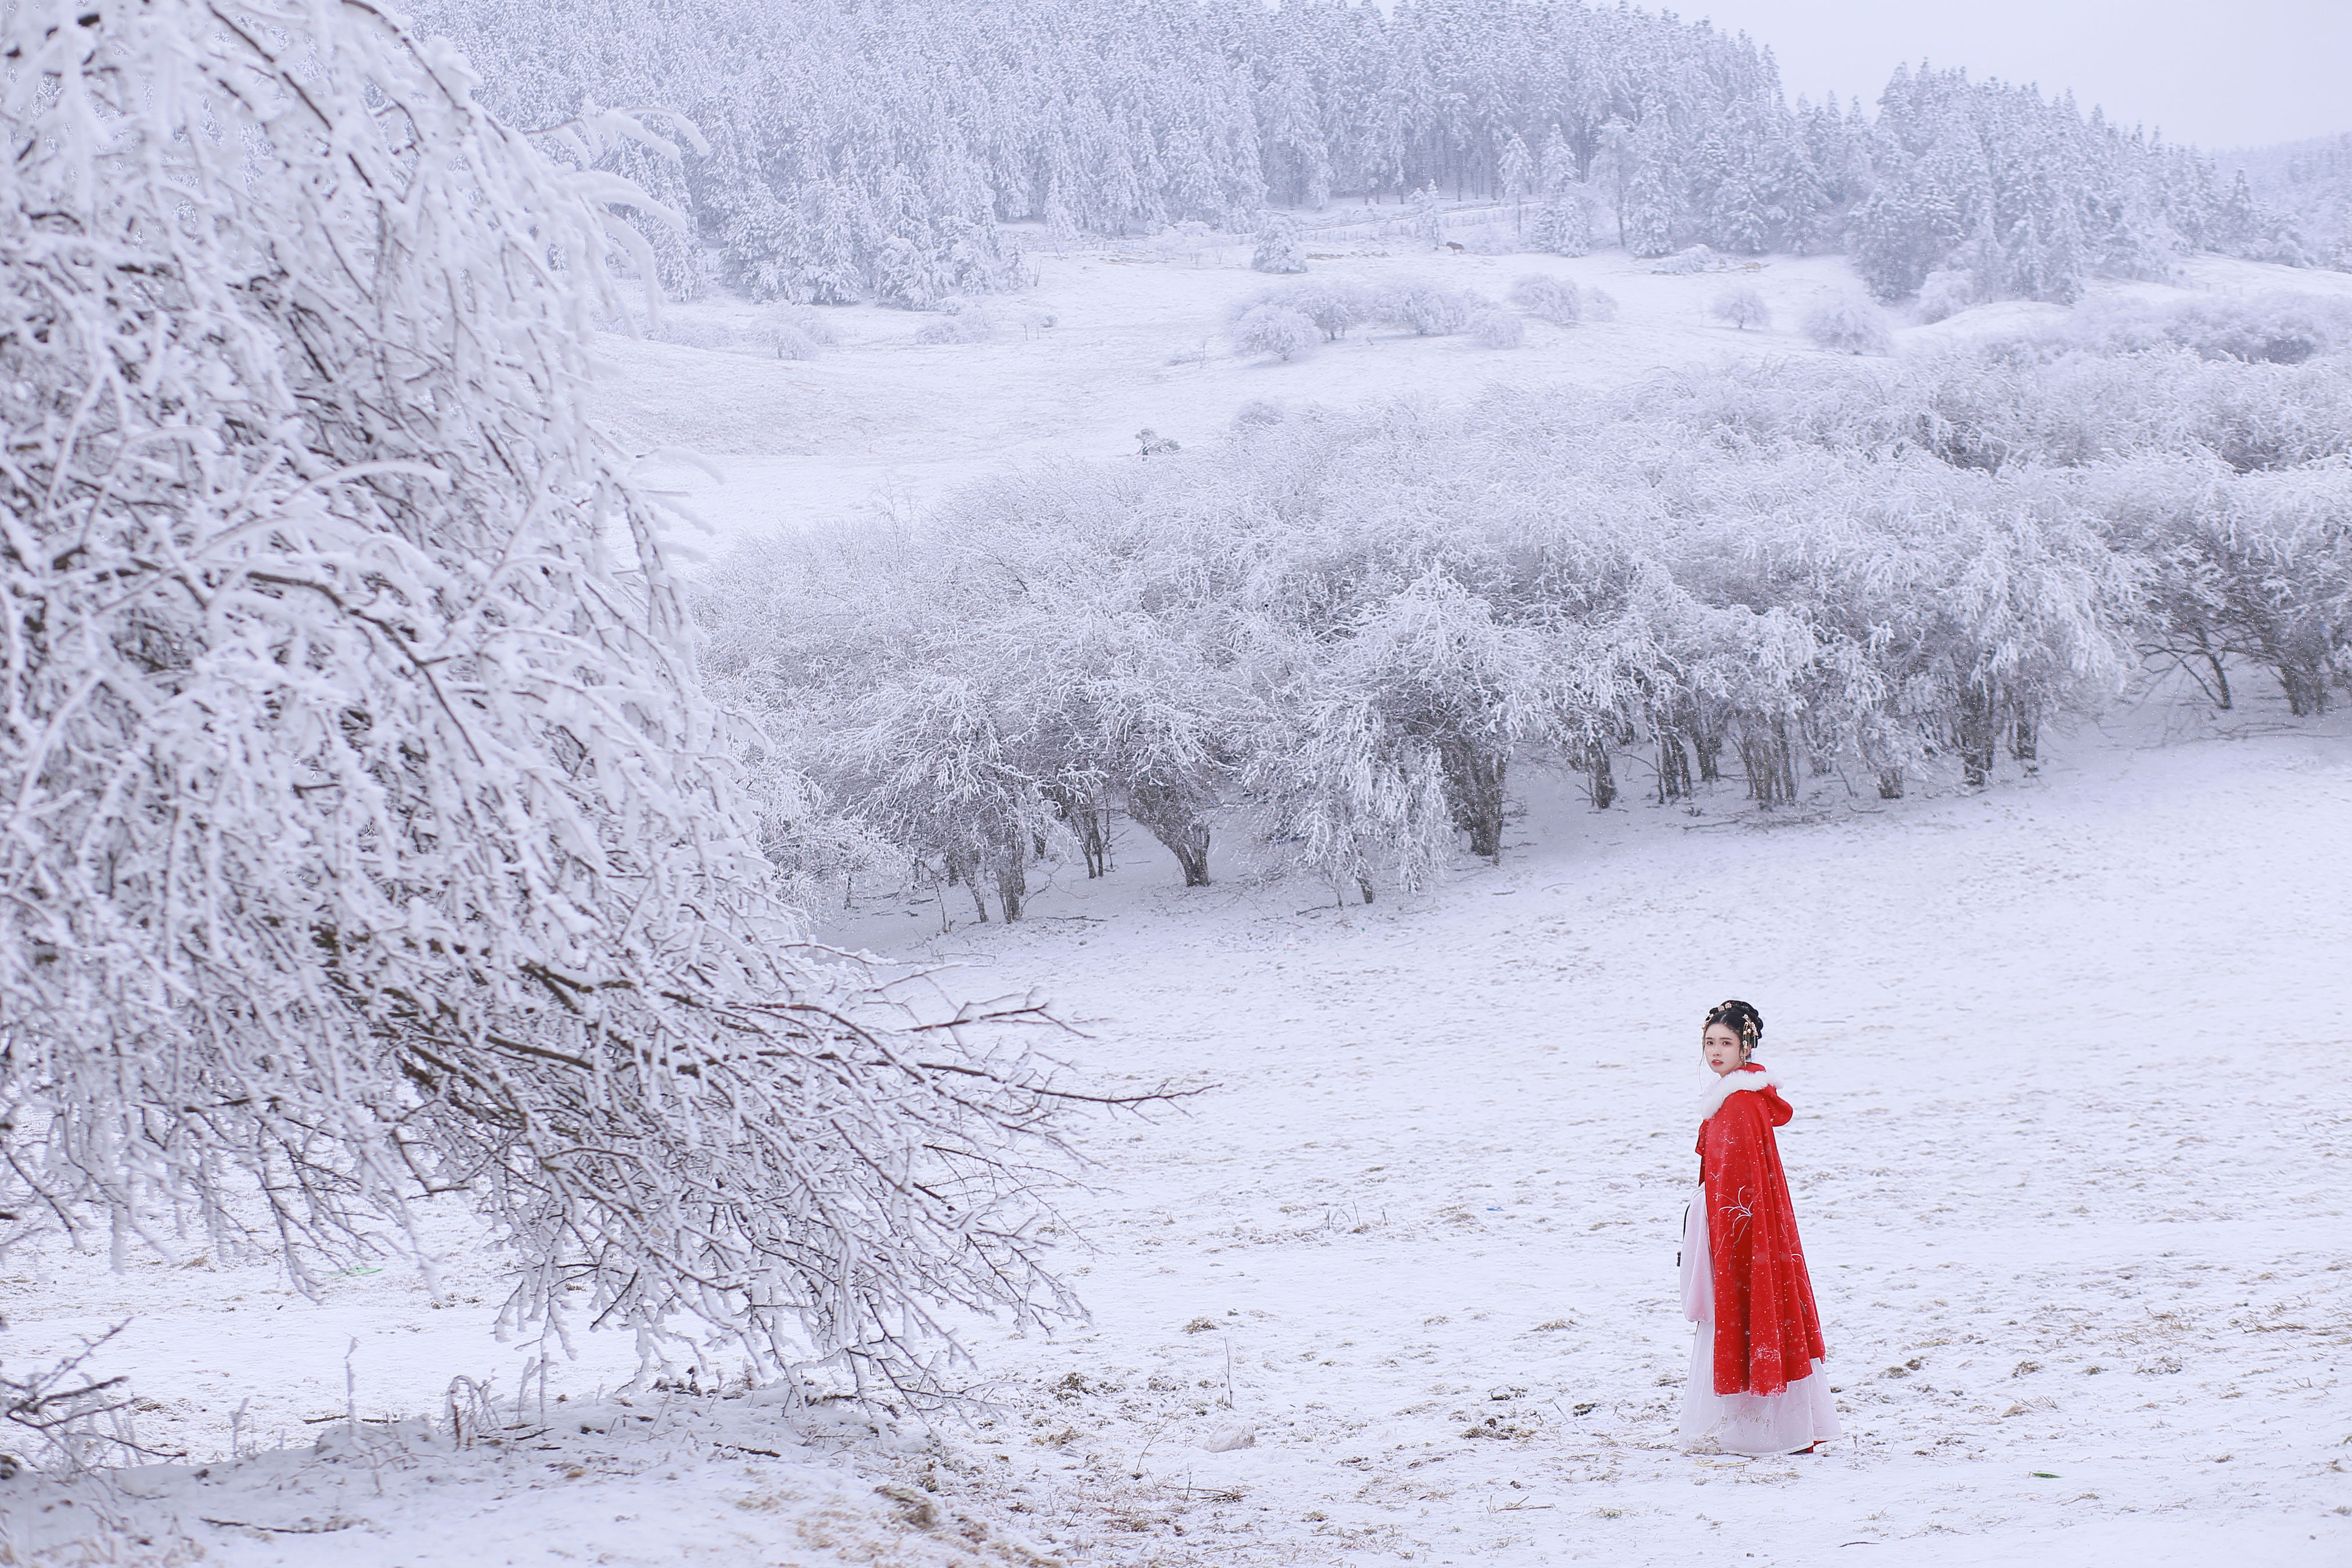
x=1801 y=1414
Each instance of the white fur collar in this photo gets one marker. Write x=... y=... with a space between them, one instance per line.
x=1754 y=1075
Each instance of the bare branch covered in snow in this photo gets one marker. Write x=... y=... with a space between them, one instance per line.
x=363 y=832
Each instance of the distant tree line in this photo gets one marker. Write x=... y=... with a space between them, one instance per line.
x=864 y=151
x=2308 y=184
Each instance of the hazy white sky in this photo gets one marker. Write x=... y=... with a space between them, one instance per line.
x=2220 y=73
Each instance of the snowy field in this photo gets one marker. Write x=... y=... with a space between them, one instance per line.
x=1397 y=1285
x=879 y=425
x=2067 y=1157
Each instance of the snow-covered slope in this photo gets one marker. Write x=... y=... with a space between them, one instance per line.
x=2066 y=1057
x=881 y=424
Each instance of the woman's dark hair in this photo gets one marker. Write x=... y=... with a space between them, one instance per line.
x=1740 y=1018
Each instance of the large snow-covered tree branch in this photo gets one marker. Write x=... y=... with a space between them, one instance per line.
x=363 y=833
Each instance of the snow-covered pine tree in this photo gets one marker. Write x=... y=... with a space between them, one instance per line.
x=1278 y=249
x=1290 y=135
x=1562 y=225
x=1557 y=171
x=365 y=833
x=1889 y=250
x=1128 y=119
x=1517 y=173
x=1427 y=222
x=1648 y=217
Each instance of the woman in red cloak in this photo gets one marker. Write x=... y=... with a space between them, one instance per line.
x=1755 y=1384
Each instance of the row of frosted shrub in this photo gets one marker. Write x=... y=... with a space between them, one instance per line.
x=1340 y=636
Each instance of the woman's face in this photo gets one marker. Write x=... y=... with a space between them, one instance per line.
x=1721 y=1044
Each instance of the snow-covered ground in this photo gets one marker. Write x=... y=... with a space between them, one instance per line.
x=879 y=425
x=2068 y=1153
x=2066 y=1055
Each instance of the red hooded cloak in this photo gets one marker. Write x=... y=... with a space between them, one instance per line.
x=1767 y=1330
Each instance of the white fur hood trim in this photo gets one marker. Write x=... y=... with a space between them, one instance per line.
x=1730 y=1083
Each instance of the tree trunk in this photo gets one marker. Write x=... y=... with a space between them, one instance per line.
x=1673 y=767
x=1174 y=815
x=1473 y=789
x=1600 y=783
x=1890 y=783
x=1770 y=762
x=1979 y=734
x=1089 y=823
x=1708 y=743
x=2306 y=687
x=2219 y=690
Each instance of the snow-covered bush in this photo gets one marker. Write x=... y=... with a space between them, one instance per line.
x=1423 y=309
x=1742 y=306
x=1278 y=249
x=970 y=325
x=371 y=835
x=694 y=332
x=1945 y=293
x=1278 y=330
x=1847 y=323
x=1498 y=330
x=812 y=323
x=2255 y=568
x=1682 y=263
x=1555 y=300
x=1256 y=414
x=1333 y=307
x=2277 y=329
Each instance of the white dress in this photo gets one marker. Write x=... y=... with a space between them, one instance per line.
x=1798 y=1416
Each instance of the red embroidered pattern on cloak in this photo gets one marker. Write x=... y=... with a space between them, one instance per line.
x=1766 y=1329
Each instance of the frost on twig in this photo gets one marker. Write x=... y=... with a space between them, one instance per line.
x=62 y=1405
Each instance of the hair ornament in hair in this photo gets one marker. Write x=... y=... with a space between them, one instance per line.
x=1740 y=1017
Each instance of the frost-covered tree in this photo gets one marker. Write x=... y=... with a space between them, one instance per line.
x=1498 y=330
x=1844 y=324
x=1276 y=330
x=1333 y=307
x=1555 y=300
x=1562 y=225
x=1278 y=249
x=366 y=833
x=1742 y=306
x=1424 y=308
x=1806 y=574
x=1945 y=293
x=1427 y=223
x=1516 y=169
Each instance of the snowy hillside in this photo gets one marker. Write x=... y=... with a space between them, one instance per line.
x=1398 y=1286
x=881 y=424
x=1100 y=968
